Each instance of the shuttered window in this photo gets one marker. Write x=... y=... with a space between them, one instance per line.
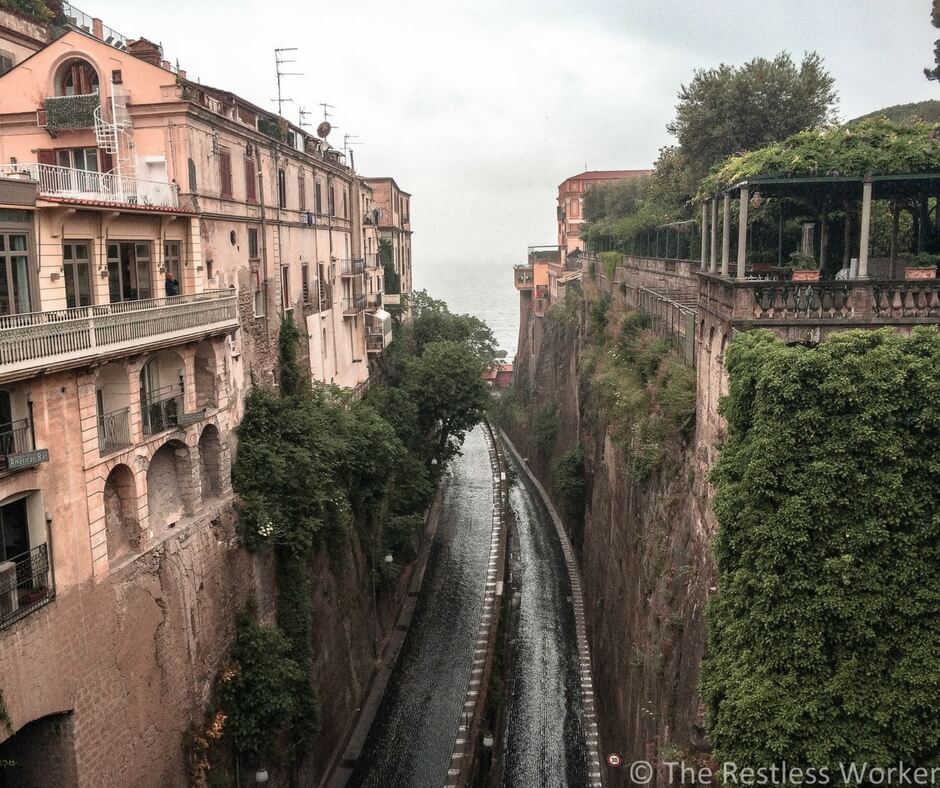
x=250 y=180
x=225 y=172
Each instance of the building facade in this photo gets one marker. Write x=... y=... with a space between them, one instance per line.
x=154 y=233
x=570 y=211
x=394 y=225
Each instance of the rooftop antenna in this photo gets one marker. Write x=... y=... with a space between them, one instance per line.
x=346 y=141
x=326 y=115
x=303 y=114
x=280 y=61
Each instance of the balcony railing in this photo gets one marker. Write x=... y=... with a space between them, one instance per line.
x=375 y=342
x=25 y=584
x=162 y=409
x=39 y=340
x=69 y=184
x=352 y=267
x=373 y=300
x=16 y=438
x=326 y=297
x=114 y=431
x=354 y=305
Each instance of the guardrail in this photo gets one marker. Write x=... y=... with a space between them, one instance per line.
x=114 y=431
x=66 y=183
x=25 y=584
x=37 y=340
x=670 y=319
x=354 y=305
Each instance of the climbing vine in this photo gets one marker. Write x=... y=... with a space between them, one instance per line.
x=825 y=633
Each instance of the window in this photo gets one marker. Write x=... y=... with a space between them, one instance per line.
x=192 y=176
x=225 y=172
x=251 y=178
x=318 y=198
x=281 y=189
x=301 y=192
x=77 y=78
x=6 y=61
x=14 y=273
x=116 y=77
x=305 y=282
x=78 y=158
x=76 y=262
x=332 y=200
x=129 y=271
x=324 y=285
x=285 y=287
x=253 y=243
x=173 y=264
x=345 y=215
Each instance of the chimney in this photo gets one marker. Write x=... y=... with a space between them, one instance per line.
x=146 y=50
x=97 y=29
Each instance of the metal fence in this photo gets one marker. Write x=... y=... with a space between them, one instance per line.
x=670 y=318
x=25 y=584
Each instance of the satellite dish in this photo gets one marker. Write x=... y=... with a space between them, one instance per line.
x=323 y=130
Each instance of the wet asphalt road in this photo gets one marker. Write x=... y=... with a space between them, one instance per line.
x=411 y=742
x=546 y=745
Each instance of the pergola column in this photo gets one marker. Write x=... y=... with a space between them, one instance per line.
x=713 y=257
x=742 y=233
x=704 y=234
x=864 y=230
x=726 y=235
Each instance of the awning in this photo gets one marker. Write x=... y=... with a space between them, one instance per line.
x=381 y=315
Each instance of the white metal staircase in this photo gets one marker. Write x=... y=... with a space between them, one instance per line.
x=113 y=135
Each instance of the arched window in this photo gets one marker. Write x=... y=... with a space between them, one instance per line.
x=77 y=78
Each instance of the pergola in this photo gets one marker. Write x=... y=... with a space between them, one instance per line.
x=823 y=189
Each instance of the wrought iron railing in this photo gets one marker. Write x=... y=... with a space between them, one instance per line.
x=34 y=340
x=375 y=342
x=16 y=437
x=162 y=408
x=670 y=319
x=114 y=431
x=25 y=584
x=352 y=267
x=66 y=183
x=354 y=304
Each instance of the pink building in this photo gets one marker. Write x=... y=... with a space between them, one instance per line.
x=394 y=225
x=571 y=192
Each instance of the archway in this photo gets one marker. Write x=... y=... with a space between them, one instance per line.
x=171 y=494
x=112 y=399
x=76 y=77
x=161 y=391
x=210 y=462
x=205 y=374
x=120 y=512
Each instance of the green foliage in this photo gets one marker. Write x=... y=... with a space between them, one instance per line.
x=801 y=261
x=37 y=10
x=432 y=321
x=869 y=147
x=293 y=380
x=614 y=200
x=391 y=278
x=545 y=425
x=610 y=261
x=257 y=691
x=597 y=324
x=933 y=74
x=728 y=109
x=825 y=635
x=74 y=112
x=926 y=111
x=568 y=481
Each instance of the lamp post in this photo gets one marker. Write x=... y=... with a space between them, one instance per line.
x=375 y=608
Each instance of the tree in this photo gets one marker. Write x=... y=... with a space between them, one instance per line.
x=934 y=73
x=728 y=109
x=392 y=278
x=446 y=380
x=432 y=321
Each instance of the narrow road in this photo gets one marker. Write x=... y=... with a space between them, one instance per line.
x=411 y=742
x=546 y=738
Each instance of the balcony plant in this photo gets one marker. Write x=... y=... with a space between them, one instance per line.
x=71 y=112
x=803 y=267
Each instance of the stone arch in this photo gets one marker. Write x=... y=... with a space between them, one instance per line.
x=205 y=374
x=211 y=463
x=162 y=385
x=120 y=512
x=112 y=401
x=171 y=488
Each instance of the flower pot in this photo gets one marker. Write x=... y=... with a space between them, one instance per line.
x=806 y=276
x=918 y=272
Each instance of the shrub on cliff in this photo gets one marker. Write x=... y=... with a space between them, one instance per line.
x=568 y=481
x=824 y=638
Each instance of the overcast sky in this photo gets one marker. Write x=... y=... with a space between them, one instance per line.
x=480 y=108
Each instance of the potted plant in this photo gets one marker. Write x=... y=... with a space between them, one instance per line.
x=921 y=266
x=803 y=267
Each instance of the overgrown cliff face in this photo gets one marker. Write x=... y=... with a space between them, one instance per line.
x=591 y=373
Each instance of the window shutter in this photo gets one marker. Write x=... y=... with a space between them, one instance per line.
x=45 y=156
x=225 y=173
x=250 y=178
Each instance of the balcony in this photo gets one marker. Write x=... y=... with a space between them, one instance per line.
x=353 y=305
x=25 y=584
x=523 y=277
x=375 y=342
x=374 y=300
x=64 y=183
x=162 y=409
x=17 y=450
x=353 y=267
x=69 y=112
x=114 y=431
x=43 y=341
x=372 y=261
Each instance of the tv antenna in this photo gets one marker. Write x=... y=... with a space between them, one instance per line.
x=303 y=114
x=346 y=141
x=326 y=115
x=279 y=61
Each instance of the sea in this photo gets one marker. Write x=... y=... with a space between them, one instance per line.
x=485 y=290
